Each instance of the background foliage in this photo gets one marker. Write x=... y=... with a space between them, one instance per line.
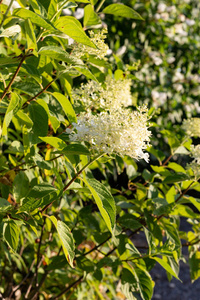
x=69 y=216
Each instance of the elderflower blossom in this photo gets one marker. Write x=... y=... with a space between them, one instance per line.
x=98 y=39
x=195 y=164
x=122 y=133
x=192 y=127
x=113 y=95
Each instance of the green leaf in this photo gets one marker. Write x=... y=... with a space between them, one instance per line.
x=67 y=107
x=194 y=262
x=58 y=53
x=75 y=149
x=66 y=239
x=104 y=201
x=195 y=202
x=145 y=283
x=129 y=221
x=39 y=118
x=138 y=279
x=121 y=10
x=90 y=17
x=35 y=19
x=84 y=70
x=9 y=60
x=177 y=177
x=11 y=234
x=176 y=167
x=11 y=111
x=30 y=37
x=35 y=6
x=72 y=27
x=39 y=196
x=165 y=265
x=55 y=142
x=24 y=119
x=20 y=186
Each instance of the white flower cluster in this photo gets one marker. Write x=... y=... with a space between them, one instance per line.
x=98 y=39
x=195 y=164
x=192 y=127
x=113 y=128
x=112 y=95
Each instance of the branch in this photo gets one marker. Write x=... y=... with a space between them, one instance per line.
x=38 y=252
x=14 y=76
x=67 y=289
x=38 y=94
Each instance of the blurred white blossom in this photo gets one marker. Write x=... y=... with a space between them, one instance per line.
x=14 y=5
x=79 y=13
x=155 y=56
x=192 y=127
x=195 y=164
x=161 y=7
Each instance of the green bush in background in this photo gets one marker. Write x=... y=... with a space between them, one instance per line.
x=94 y=148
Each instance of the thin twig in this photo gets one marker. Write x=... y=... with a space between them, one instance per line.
x=68 y=288
x=32 y=280
x=14 y=76
x=23 y=280
x=38 y=94
x=38 y=252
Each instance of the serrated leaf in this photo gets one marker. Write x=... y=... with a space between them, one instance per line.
x=39 y=196
x=121 y=10
x=11 y=234
x=58 y=53
x=35 y=18
x=72 y=27
x=67 y=107
x=138 y=279
x=165 y=265
x=104 y=201
x=66 y=239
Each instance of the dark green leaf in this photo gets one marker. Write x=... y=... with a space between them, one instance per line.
x=129 y=221
x=40 y=122
x=11 y=234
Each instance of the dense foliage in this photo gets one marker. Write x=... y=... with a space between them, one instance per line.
x=95 y=147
